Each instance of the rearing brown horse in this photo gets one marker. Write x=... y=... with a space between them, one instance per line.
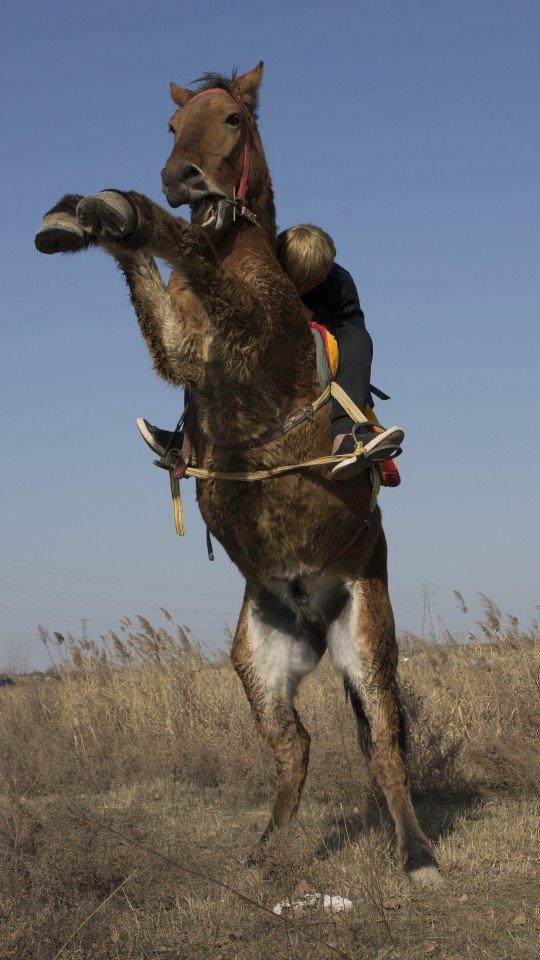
x=229 y=325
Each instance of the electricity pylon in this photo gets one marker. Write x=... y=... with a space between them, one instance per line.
x=430 y=627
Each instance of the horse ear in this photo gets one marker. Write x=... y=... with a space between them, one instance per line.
x=180 y=95
x=247 y=86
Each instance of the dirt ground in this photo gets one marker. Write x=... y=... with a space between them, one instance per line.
x=134 y=786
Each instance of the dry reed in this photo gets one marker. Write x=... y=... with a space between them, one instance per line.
x=133 y=785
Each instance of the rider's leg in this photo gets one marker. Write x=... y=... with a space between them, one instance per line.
x=354 y=374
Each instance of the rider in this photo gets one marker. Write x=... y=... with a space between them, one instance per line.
x=328 y=293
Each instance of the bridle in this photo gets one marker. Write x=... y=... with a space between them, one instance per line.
x=237 y=202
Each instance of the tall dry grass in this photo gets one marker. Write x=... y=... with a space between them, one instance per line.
x=133 y=784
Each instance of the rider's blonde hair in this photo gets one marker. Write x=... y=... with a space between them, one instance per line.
x=306 y=254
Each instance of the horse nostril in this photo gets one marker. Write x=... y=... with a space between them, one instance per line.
x=186 y=172
x=183 y=182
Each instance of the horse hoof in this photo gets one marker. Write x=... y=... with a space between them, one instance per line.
x=255 y=859
x=60 y=233
x=107 y=214
x=257 y=855
x=425 y=877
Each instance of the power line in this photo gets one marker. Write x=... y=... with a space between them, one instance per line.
x=67 y=618
x=117 y=581
x=411 y=588
x=399 y=611
x=64 y=618
x=60 y=595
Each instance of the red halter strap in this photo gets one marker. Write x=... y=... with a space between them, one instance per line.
x=243 y=185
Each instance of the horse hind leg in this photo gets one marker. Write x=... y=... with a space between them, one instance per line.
x=271 y=655
x=363 y=646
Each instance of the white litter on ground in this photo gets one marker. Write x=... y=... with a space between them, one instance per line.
x=336 y=904
x=312 y=901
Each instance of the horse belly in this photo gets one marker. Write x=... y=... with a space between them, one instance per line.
x=280 y=529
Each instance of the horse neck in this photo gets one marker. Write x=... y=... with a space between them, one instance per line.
x=288 y=381
x=294 y=372
x=243 y=240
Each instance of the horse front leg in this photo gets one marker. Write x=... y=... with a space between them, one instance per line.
x=136 y=222
x=362 y=645
x=172 y=321
x=271 y=658
x=242 y=326
x=128 y=218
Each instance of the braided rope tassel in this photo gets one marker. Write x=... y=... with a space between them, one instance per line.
x=177 y=504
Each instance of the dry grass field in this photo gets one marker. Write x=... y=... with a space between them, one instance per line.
x=134 y=785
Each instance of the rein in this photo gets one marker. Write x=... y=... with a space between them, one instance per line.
x=239 y=195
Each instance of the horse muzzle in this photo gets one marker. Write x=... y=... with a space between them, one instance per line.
x=186 y=183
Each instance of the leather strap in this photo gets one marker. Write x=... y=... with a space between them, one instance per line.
x=240 y=194
x=306 y=413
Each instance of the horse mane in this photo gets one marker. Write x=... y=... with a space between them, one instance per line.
x=209 y=80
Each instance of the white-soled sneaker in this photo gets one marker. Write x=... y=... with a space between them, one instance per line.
x=376 y=448
x=160 y=441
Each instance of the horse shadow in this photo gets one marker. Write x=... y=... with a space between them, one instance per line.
x=438 y=814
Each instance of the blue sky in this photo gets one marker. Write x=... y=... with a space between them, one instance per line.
x=406 y=128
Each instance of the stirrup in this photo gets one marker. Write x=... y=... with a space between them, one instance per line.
x=170 y=460
x=388 y=448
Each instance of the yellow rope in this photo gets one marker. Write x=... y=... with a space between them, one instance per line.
x=345 y=401
x=251 y=475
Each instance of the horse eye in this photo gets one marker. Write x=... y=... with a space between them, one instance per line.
x=171 y=128
x=233 y=119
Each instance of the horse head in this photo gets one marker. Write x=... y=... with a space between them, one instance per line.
x=217 y=163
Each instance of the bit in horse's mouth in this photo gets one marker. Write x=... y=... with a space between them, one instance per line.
x=205 y=212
